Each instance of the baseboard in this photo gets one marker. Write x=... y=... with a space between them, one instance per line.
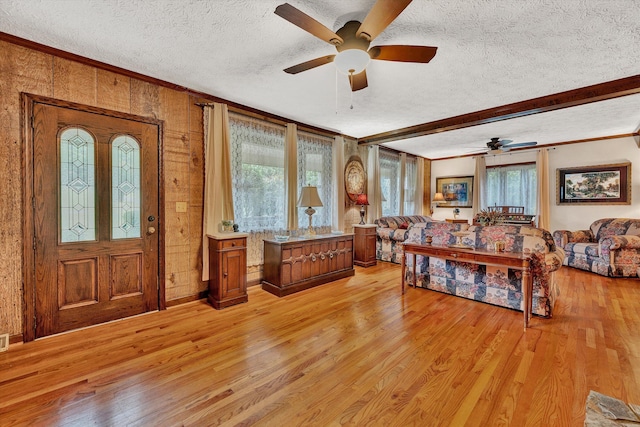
x=190 y=298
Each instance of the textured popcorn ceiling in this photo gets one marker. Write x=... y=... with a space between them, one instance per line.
x=490 y=53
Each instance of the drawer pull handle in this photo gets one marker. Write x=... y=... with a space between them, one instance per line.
x=225 y=274
x=322 y=257
x=454 y=255
x=313 y=258
x=331 y=255
x=233 y=243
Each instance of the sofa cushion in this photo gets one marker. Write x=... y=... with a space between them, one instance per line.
x=590 y=249
x=607 y=227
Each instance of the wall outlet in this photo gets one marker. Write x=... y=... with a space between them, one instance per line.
x=4 y=342
x=181 y=206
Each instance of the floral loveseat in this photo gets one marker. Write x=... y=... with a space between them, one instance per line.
x=391 y=232
x=610 y=247
x=490 y=284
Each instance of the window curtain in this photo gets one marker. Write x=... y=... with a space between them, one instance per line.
x=514 y=185
x=479 y=193
x=337 y=216
x=374 y=193
x=291 y=172
x=418 y=196
x=543 y=208
x=403 y=184
x=218 y=198
x=315 y=164
x=390 y=182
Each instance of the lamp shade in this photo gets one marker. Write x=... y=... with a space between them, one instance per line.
x=309 y=197
x=362 y=200
x=351 y=61
x=438 y=197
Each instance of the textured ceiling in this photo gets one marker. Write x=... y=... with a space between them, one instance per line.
x=490 y=53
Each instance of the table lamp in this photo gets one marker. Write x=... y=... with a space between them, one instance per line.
x=309 y=197
x=362 y=201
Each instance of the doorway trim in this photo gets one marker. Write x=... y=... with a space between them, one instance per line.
x=28 y=102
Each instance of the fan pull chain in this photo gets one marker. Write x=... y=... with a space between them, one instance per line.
x=336 y=91
x=351 y=85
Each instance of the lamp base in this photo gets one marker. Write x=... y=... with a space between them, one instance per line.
x=362 y=213
x=310 y=231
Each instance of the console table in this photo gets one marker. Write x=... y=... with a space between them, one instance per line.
x=514 y=260
x=300 y=263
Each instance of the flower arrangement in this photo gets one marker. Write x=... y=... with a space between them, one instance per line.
x=485 y=217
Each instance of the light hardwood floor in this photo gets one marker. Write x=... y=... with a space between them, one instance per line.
x=351 y=352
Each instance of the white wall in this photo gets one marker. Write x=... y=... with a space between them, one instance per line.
x=568 y=217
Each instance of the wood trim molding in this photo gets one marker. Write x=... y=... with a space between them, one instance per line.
x=243 y=109
x=571 y=98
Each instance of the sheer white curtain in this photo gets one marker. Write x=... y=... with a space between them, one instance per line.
x=218 y=201
x=418 y=198
x=315 y=166
x=390 y=182
x=413 y=177
x=513 y=185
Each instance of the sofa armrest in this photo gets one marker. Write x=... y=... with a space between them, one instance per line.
x=613 y=243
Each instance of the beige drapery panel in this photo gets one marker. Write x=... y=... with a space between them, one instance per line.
x=403 y=178
x=374 y=192
x=543 y=196
x=480 y=190
x=418 y=195
x=291 y=174
x=218 y=199
x=337 y=216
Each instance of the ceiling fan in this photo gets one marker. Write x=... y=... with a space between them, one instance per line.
x=353 y=39
x=497 y=145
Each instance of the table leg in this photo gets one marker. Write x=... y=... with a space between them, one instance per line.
x=415 y=279
x=404 y=268
x=527 y=290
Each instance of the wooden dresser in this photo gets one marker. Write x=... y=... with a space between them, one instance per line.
x=227 y=269
x=299 y=263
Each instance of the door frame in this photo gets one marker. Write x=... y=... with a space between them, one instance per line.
x=28 y=102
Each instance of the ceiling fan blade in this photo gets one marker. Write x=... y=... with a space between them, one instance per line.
x=295 y=69
x=307 y=23
x=358 y=81
x=380 y=16
x=403 y=53
x=520 y=144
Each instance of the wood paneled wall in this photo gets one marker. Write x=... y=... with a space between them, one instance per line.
x=27 y=70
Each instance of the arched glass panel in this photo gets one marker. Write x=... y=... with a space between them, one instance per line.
x=77 y=186
x=125 y=188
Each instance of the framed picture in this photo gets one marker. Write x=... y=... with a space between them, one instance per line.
x=457 y=191
x=603 y=185
x=355 y=178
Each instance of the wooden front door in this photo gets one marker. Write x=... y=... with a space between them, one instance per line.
x=95 y=218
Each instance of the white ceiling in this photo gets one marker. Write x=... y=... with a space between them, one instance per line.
x=490 y=53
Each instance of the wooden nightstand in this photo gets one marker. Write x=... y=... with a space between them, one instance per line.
x=365 y=245
x=227 y=269
x=458 y=220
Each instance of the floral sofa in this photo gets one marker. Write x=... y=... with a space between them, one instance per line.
x=391 y=231
x=490 y=284
x=610 y=247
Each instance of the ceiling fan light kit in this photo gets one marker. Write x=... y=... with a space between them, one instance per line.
x=353 y=39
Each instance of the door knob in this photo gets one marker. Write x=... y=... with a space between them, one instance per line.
x=151 y=230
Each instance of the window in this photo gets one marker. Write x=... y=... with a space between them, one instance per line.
x=390 y=182
x=125 y=188
x=77 y=186
x=513 y=185
x=257 y=169
x=315 y=169
x=410 y=182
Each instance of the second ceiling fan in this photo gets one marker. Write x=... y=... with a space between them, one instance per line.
x=353 y=39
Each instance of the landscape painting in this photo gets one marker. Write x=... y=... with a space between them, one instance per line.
x=606 y=184
x=457 y=191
